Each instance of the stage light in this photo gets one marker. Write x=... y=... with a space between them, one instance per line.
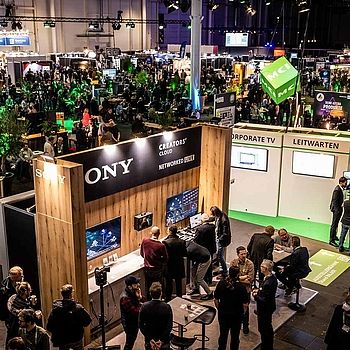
x=3 y=23
x=94 y=25
x=119 y=15
x=212 y=6
x=16 y=25
x=250 y=10
x=303 y=6
x=49 y=24
x=130 y=25
x=267 y=2
x=116 y=26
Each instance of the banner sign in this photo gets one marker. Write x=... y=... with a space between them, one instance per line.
x=116 y=168
x=20 y=40
x=224 y=107
x=332 y=104
x=278 y=80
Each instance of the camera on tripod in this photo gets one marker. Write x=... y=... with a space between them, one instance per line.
x=101 y=275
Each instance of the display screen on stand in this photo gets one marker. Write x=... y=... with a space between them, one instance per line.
x=103 y=238
x=182 y=206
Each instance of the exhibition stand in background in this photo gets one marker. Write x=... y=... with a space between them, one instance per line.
x=110 y=186
x=304 y=171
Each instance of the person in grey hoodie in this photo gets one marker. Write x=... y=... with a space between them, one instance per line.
x=67 y=321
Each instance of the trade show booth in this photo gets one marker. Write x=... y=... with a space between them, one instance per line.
x=286 y=176
x=93 y=208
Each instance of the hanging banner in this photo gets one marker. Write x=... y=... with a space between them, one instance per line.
x=278 y=80
x=331 y=104
x=115 y=168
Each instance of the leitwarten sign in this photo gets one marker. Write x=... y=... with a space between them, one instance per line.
x=116 y=168
x=278 y=80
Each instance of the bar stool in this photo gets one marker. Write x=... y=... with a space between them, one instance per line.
x=296 y=306
x=182 y=342
x=205 y=319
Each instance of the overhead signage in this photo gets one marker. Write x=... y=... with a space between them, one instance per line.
x=252 y=137
x=279 y=79
x=331 y=104
x=325 y=143
x=9 y=39
x=224 y=107
x=116 y=168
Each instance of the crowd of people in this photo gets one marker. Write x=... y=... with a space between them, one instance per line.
x=252 y=275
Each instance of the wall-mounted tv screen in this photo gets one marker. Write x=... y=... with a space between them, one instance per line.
x=236 y=39
x=313 y=164
x=249 y=158
x=103 y=238
x=182 y=206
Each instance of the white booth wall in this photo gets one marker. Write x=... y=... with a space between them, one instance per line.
x=256 y=191
x=308 y=197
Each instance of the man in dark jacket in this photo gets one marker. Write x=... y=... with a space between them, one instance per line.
x=201 y=260
x=223 y=236
x=176 y=248
x=205 y=236
x=265 y=298
x=156 y=320
x=260 y=247
x=130 y=305
x=67 y=321
x=345 y=221
x=297 y=268
x=8 y=288
x=336 y=208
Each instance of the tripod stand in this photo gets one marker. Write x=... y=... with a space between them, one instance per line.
x=101 y=280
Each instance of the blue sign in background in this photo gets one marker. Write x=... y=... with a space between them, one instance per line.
x=23 y=40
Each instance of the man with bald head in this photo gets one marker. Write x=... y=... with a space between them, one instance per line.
x=155 y=259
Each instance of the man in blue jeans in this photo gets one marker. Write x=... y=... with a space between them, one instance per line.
x=345 y=220
x=223 y=236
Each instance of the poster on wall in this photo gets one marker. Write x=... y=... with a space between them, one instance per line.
x=224 y=108
x=332 y=104
x=115 y=168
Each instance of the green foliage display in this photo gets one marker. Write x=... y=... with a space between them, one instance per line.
x=11 y=131
x=165 y=119
x=141 y=78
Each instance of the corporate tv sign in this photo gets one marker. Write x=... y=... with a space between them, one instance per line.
x=116 y=168
x=14 y=40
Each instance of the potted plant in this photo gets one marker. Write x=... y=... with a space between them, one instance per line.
x=11 y=132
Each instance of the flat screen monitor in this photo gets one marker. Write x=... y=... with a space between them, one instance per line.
x=249 y=158
x=103 y=238
x=313 y=164
x=196 y=220
x=111 y=72
x=346 y=174
x=182 y=206
x=236 y=39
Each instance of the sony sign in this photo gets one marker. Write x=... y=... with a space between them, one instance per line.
x=49 y=175
x=95 y=175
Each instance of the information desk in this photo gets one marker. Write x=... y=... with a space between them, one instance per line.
x=130 y=264
x=184 y=312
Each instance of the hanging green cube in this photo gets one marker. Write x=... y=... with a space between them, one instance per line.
x=278 y=80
